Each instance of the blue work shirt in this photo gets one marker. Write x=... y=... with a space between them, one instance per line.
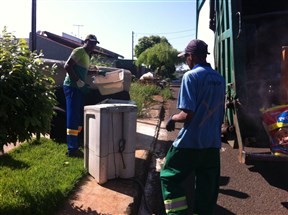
x=202 y=91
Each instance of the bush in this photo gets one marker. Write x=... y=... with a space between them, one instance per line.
x=142 y=94
x=26 y=93
x=166 y=93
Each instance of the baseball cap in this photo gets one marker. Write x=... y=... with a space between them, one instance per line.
x=195 y=47
x=92 y=38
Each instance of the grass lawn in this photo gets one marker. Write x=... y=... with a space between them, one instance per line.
x=36 y=177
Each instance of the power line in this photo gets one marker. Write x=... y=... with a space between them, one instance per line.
x=179 y=37
x=174 y=38
x=126 y=1
x=175 y=32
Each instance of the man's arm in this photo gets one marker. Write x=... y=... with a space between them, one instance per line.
x=69 y=68
x=183 y=116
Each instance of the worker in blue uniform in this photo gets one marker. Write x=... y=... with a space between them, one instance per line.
x=75 y=87
x=197 y=146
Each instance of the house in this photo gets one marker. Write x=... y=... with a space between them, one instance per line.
x=58 y=47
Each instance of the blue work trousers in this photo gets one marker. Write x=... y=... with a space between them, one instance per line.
x=74 y=116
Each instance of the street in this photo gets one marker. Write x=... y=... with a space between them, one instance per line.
x=258 y=188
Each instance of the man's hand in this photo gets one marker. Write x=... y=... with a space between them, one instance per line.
x=170 y=126
x=80 y=83
x=94 y=79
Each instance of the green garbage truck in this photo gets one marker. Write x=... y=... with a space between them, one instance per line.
x=248 y=42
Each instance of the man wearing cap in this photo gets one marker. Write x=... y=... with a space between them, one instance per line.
x=196 y=150
x=74 y=88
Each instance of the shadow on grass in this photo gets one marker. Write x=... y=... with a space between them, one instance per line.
x=45 y=204
x=8 y=161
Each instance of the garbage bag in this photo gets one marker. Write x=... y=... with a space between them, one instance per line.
x=275 y=121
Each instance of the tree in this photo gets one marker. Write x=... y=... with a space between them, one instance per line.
x=161 y=58
x=148 y=42
x=26 y=94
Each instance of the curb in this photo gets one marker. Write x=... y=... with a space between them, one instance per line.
x=141 y=202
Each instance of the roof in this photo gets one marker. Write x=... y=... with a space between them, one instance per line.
x=74 y=44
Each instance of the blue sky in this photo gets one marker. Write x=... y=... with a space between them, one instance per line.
x=112 y=21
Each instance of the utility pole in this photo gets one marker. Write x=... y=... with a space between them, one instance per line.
x=33 y=26
x=132 y=45
x=78 y=26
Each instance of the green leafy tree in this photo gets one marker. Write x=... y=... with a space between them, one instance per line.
x=160 y=58
x=148 y=42
x=26 y=91
x=100 y=60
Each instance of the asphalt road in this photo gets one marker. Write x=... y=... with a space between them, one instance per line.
x=258 y=188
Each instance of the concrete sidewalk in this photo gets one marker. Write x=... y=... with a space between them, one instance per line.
x=118 y=196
